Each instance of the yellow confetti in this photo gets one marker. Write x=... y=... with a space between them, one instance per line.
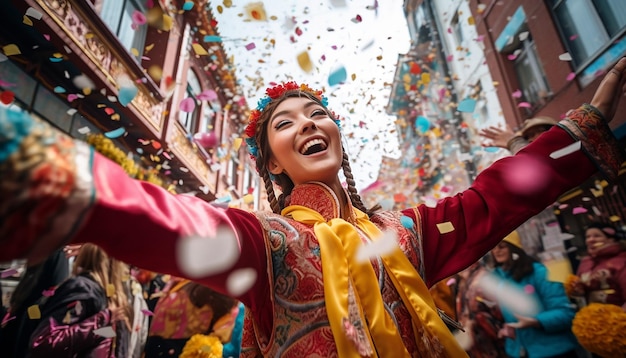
x=248 y=198
x=199 y=50
x=115 y=117
x=227 y=3
x=134 y=51
x=11 y=49
x=68 y=318
x=34 y=312
x=426 y=78
x=147 y=49
x=470 y=20
x=110 y=290
x=89 y=35
x=87 y=91
x=237 y=143
x=156 y=72
x=256 y=11
x=27 y=21
x=353 y=76
x=445 y=228
x=220 y=9
x=305 y=62
x=168 y=22
x=615 y=218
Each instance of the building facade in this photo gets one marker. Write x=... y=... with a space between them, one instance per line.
x=151 y=77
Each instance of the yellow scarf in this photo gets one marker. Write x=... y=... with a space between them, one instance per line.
x=339 y=242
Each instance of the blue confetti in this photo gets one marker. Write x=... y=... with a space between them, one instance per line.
x=406 y=221
x=59 y=89
x=212 y=38
x=422 y=124
x=467 y=105
x=188 y=5
x=338 y=76
x=115 y=133
x=126 y=95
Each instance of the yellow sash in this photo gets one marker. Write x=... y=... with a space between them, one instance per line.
x=339 y=242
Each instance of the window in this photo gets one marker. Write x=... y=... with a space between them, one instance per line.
x=189 y=120
x=530 y=74
x=117 y=14
x=589 y=28
x=457 y=31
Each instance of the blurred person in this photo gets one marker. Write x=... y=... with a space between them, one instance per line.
x=185 y=309
x=89 y=313
x=478 y=314
x=36 y=281
x=548 y=331
x=602 y=272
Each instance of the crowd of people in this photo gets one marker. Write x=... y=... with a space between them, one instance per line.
x=330 y=277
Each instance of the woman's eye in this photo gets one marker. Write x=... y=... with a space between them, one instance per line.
x=281 y=124
x=318 y=112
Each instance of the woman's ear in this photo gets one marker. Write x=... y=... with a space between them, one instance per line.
x=274 y=167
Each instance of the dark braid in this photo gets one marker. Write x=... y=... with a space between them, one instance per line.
x=355 y=198
x=269 y=188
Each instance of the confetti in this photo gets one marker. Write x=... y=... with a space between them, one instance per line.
x=199 y=50
x=255 y=11
x=250 y=46
x=571 y=76
x=106 y=332
x=445 y=227
x=11 y=50
x=467 y=105
x=147 y=312
x=110 y=290
x=212 y=38
x=338 y=76
x=406 y=221
x=527 y=177
x=305 y=62
x=579 y=210
x=384 y=245
x=203 y=256
x=187 y=105
x=116 y=133
x=565 y=57
x=509 y=295
x=188 y=5
x=8 y=272
x=34 y=312
x=240 y=281
x=574 y=147
x=7 y=97
x=34 y=13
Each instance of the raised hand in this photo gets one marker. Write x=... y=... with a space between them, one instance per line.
x=613 y=86
x=497 y=137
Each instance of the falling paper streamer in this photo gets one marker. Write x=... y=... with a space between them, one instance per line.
x=579 y=210
x=240 y=281
x=106 y=332
x=116 y=133
x=467 y=105
x=445 y=227
x=574 y=147
x=384 y=245
x=203 y=256
x=212 y=38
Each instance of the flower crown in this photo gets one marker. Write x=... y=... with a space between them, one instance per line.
x=273 y=93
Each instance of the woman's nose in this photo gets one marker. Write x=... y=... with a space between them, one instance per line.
x=308 y=125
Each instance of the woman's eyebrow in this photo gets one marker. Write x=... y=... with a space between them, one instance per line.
x=306 y=105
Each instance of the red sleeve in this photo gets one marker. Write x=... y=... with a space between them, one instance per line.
x=502 y=197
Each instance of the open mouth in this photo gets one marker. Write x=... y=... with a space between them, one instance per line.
x=313 y=146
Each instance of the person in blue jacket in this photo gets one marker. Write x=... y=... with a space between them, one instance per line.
x=537 y=312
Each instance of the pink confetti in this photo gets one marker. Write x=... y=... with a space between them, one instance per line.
x=563 y=206
x=207 y=95
x=48 y=292
x=570 y=76
x=529 y=289
x=579 y=210
x=47 y=37
x=250 y=46
x=187 y=105
x=517 y=94
x=138 y=18
x=167 y=155
x=357 y=19
x=512 y=57
x=147 y=312
x=528 y=177
x=573 y=37
x=524 y=105
x=71 y=97
x=8 y=272
x=449 y=58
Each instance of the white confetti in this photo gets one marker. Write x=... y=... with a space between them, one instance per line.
x=240 y=281
x=34 y=13
x=565 y=151
x=565 y=57
x=381 y=247
x=509 y=296
x=203 y=256
x=106 y=332
x=445 y=228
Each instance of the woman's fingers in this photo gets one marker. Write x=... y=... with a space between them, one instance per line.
x=611 y=89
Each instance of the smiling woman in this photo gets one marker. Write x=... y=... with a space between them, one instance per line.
x=309 y=289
